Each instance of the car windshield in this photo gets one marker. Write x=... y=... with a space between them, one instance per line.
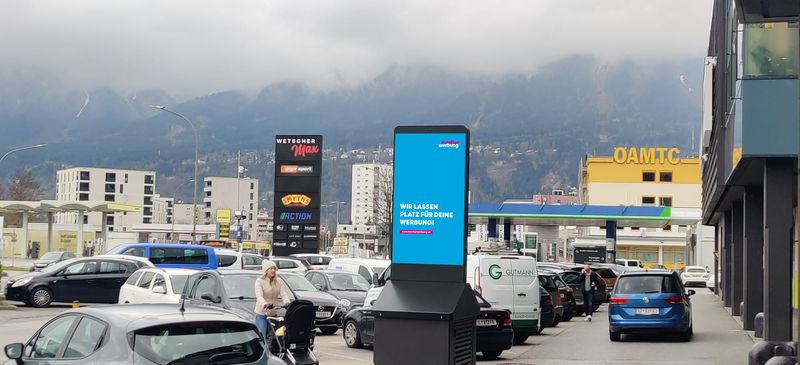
x=51 y=256
x=378 y=269
x=178 y=282
x=199 y=343
x=239 y=285
x=347 y=281
x=643 y=284
x=317 y=260
x=58 y=266
x=297 y=283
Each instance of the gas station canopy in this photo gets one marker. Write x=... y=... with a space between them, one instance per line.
x=51 y=206
x=582 y=215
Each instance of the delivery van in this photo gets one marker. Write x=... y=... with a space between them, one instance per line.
x=509 y=282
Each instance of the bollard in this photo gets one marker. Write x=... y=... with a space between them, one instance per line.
x=759 y=325
x=763 y=351
x=782 y=360
x=76 y=304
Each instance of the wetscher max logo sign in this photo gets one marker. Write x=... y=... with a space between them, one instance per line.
x=303 y=150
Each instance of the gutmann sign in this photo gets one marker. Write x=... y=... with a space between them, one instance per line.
x=297 y=187
x=646 y=155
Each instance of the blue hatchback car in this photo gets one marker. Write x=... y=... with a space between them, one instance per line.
x=650 y=302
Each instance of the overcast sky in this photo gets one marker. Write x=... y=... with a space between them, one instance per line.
x=197 y=47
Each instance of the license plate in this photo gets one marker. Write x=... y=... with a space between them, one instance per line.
x=647 y=311
x=323 y=314
x=486 y=323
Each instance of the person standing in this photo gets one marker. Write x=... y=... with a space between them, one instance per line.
x=589 y=284
x=270 y=294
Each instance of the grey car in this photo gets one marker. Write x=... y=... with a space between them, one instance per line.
x=143 y=334
x=50 y=258
x=349 y=288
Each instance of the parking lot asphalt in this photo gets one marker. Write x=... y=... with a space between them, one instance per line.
x=718 y=339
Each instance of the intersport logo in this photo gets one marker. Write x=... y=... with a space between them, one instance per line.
x=449 y=144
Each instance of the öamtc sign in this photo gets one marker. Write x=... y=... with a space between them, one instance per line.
x=647 y=155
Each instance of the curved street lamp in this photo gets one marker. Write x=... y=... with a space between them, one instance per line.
x=196 y=148
x=21 y=149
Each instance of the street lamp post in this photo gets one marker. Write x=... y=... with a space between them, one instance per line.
x=327 y=229
x=196 y=148
x=337 y=214
x=173 y=207
x=1 y=160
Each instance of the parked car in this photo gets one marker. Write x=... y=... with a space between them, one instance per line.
x=234 y=290
x=547 y=310
x=572 y=278
x=117 y=335
x=711 y=281
x=694 y=275
x=170 y=255
x=154 y=285
x=493 y=327
x=650 y=301
x=370 y=269
x=85 y=279
x=609 y=278
x=566 y=295
x=547 y=282
x=317 y=261
x=235 y=260
x=291 y=264
x=629 y=263
x=657 y=268
x=50 y=258
x=350 y=289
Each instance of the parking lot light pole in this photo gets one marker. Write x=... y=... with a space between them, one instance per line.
x=196 y=148
x=22 y=149
x=337 y=214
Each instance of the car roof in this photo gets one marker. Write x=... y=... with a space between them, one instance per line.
x=310 y=254
x=166 y=245
x=170 y=271
x=334 y=272
x=137 y=316
x=371 y=262
x=645 y=273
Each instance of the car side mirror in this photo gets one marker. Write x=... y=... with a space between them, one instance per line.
x=14 y=352
x=375 y=279
x=159 y=290
x=372 y=302
x=692 y=292
x=319 y=286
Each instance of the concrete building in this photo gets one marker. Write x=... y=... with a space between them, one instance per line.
x=234 y=194
x=371 y=193
x=649 y=176
x=182 y=213
x=749 y=143
x=162 y=210
x=557 y=197
x=112 y=185
x=264 y=227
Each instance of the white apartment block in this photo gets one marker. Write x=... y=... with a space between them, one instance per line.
x=222 y=193
x=162 y=210
x=133 y=187
x=182 y=213
x=371 y=193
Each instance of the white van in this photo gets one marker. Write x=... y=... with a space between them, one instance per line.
x=629 y=263
x=509 y=282
x=368 y=268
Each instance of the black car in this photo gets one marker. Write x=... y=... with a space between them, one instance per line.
x=493 y=327
x=349 y=288
x=234 y=290
x=567 y=298
x=547 y=281
x=86 y=279
x=50 y=258
x=547 y=310
x=143 y=334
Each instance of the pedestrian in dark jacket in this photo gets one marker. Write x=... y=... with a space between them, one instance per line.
x=589 y=284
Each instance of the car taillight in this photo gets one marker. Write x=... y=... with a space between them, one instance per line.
x=507 y=321
x=675 y=299
x=617 y=300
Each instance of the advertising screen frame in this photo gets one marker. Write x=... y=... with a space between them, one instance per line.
x=432 y=272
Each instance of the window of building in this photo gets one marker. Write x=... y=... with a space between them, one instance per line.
x=83 y=197
x=770 y=49
x=111 y=177
x=648 y=200
x=252 y=186
x=85 y=219
x=126 y=178
x=665 y=176
x=147 y=220
x=149 y=179
x=251 y=206
x=109 y=197
x=148 y=211
x=665 y=201
x=84 y=175
x=110 y=188
x=648 y=176
x=208 y=194
x=110 y=220
x=148 y=200
x=121 y=189
x=634 y=228
x=84 y=186
x=208 y=204
x=148 y=189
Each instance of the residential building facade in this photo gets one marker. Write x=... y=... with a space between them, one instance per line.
x=233 y=194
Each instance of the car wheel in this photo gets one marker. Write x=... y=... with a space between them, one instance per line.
x=567 y=317
x=491 y=355
x=328 y=331
x=614 y=336
x=556 y=321
x=352 y=335
x=687 y=336
x=41 y=297
x=519 y=338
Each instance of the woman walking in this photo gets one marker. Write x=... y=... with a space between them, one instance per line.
x=268 y=291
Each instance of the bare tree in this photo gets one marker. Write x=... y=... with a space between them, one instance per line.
x=23 y=186
x=383 y=204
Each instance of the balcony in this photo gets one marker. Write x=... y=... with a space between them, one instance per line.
x=149 y=179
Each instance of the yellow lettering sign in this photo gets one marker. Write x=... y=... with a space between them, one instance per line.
x=647 y=155
x=296 y=200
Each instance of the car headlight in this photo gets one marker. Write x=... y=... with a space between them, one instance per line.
x=344 y=303
x=21 y=282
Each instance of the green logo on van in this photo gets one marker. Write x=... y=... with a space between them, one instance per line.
x=495 y=272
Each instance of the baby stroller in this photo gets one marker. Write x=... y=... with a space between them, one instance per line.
x=294 y=341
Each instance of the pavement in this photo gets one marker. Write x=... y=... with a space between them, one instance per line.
x=718 y=339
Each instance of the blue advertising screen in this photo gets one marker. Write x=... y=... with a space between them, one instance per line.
x=429 y=198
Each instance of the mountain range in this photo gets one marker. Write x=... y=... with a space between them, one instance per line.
x=542 y=123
